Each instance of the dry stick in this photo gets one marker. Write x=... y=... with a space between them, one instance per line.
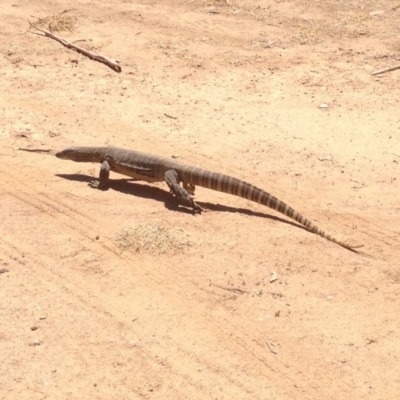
x=36 y=150
x=113 y=64
x=239 y=291
x=271 y=349
x=381 y=71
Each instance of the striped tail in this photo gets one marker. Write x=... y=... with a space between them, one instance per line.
x=237 y=187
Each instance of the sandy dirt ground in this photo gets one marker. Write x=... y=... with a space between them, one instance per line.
x=121 y=294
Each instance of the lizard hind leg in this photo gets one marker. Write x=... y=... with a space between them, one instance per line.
x=189 y=187
x=181 y=193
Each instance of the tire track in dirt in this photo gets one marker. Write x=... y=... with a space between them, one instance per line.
x=244 y=343
x=9 y=250
x=155 y=362
x=73 y=220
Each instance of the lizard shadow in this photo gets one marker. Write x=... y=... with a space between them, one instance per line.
x=146 y=191
x=246 y=211
x=132 y=187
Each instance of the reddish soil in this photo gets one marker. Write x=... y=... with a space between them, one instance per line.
x=119 y=294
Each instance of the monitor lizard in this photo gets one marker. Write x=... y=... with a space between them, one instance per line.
x=153 y=168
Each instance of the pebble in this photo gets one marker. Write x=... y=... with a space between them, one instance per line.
x=376 y=13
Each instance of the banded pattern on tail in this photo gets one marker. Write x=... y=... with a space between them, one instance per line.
x=227 y=184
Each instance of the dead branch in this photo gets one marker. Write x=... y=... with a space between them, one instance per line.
x=381 y=71
x=113 y=64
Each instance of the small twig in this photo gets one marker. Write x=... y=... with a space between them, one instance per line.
x=170 y=116
x=113 y=64
x=187 y=75
x=395 y=155
x=239 y=291
x=36 y=150
x=359 y=187
x=81 y=40
x=271 y=349
x=360 y=183
x=381 y=71
x=65 y=11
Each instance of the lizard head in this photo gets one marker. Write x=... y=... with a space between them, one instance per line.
x=66 y=154
x=80 y=154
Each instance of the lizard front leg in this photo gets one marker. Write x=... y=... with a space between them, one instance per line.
x=172 y=179
x=103 y=176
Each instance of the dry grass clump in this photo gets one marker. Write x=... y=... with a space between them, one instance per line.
x=151 y=239
x=350 y=23
x=58 y=22
x=343 y=24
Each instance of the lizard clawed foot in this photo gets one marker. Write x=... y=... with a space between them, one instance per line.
x=97 y=184
x=196 y=208
x=94 y=184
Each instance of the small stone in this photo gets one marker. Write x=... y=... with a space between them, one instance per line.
x=327 y=158
x=34 y=328
x=376 y=13
x=323 y=106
